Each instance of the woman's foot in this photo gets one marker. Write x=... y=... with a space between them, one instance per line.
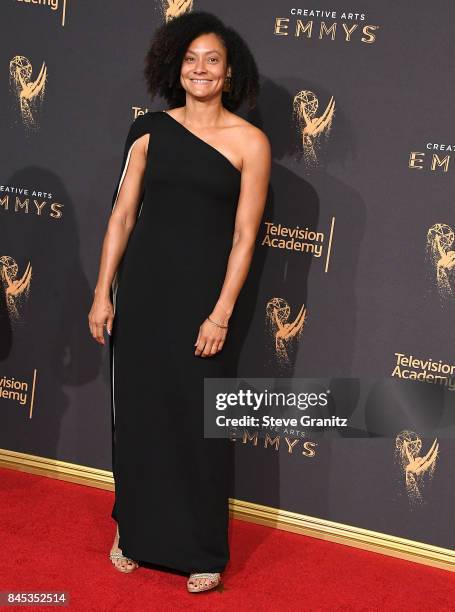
x=203 y=582
x=122 y=563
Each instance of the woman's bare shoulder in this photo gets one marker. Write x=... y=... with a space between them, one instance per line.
x=252 y=141
x=246 y=129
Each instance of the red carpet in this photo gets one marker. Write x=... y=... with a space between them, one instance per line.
x=56 y=535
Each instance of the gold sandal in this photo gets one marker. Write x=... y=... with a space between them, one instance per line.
x=114 y=555
x=214 y=581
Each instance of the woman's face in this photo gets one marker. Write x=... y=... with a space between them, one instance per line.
x=204 y=67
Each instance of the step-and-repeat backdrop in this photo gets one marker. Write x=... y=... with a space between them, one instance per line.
x=353 y=279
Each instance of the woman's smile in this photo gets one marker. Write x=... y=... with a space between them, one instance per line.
x=201 y=81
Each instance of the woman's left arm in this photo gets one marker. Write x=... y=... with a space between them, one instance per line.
x=250 y=208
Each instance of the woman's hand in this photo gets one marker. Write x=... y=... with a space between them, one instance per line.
x=211 y=338
x=101 y=314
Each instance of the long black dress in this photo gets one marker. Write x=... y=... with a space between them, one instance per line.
x=171 y=483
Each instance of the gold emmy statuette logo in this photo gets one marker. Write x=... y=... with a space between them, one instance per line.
x=311 y=126
x=174 y=8
x=416 y=469
x=15 y=289
x=277 y=315
x=440 y=237
x=29 y=93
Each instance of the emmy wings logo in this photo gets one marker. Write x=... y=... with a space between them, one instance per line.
x=416 y=470
x=281 y=329
x=313 y=126
x=174 y=8
x=16 y=287
x=28 y=92
x=440 y=242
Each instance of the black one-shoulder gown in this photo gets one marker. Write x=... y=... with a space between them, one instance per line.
x=172 y=484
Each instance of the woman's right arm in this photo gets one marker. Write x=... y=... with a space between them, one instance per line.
x=121 y=223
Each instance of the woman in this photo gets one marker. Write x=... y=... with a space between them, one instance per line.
x=185 y=216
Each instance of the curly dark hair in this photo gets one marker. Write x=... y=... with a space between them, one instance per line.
x=168 y=47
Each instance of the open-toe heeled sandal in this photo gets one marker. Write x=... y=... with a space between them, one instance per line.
x=115 y=555
x=213 y=578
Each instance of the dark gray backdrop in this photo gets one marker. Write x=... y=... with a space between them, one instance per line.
x=377 y=298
